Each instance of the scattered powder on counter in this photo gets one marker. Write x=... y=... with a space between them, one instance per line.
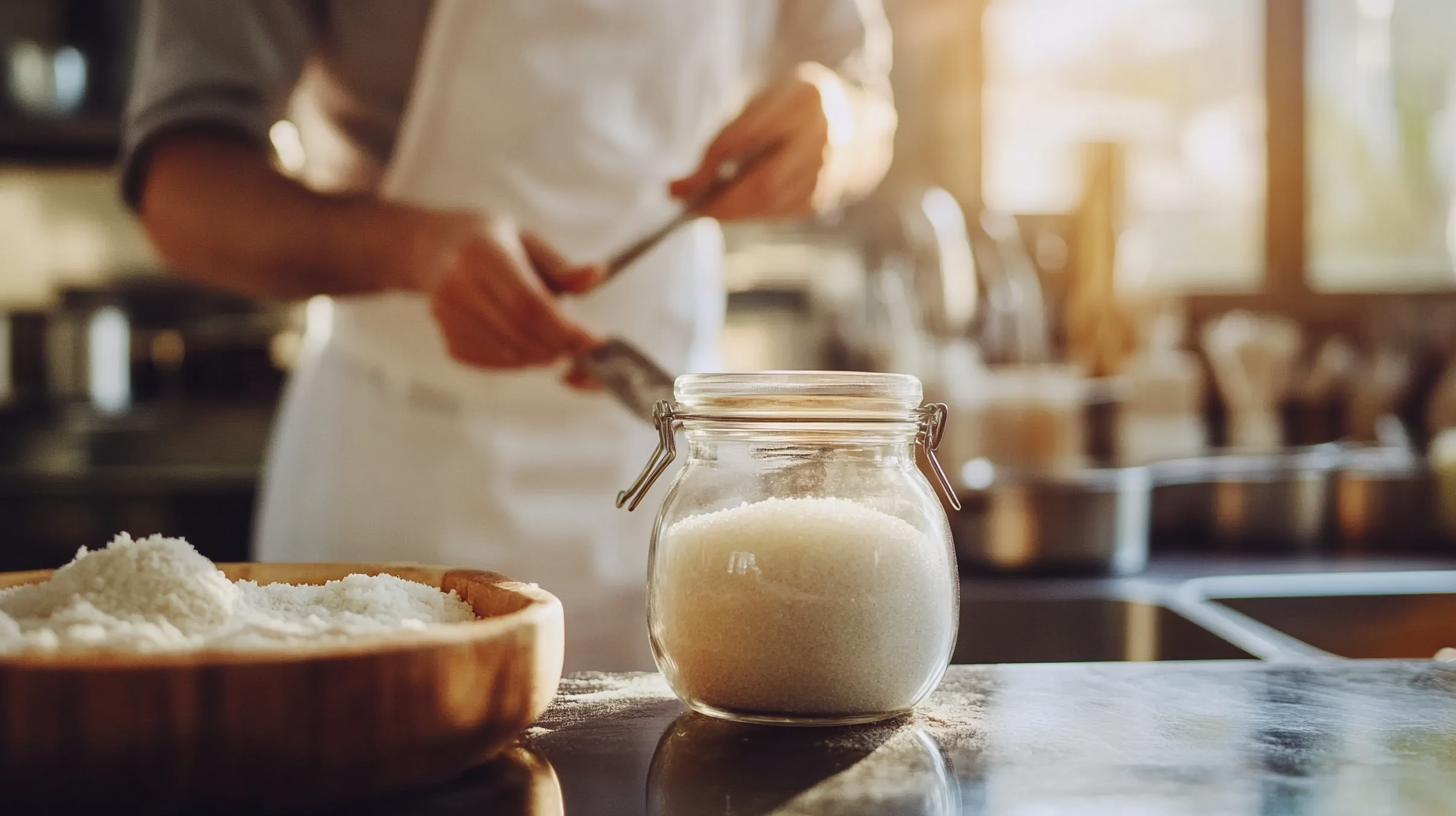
x=593 y=696
x=954 y=715
x=160 y=595
x=814 y=606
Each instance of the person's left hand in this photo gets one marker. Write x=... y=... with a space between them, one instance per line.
x=788 y=123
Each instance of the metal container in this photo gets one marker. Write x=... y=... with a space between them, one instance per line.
x=1264 y=503
x=1384 y=501
x=138 y=339
x=1084 y=521
x=89 y=348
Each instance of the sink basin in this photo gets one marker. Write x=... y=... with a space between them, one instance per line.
x=1398 y=615
x=1053 y=630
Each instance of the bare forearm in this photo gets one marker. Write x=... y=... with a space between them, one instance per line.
x=219 y=213
x=871 y=144
x=861 y=133
x=823 y=140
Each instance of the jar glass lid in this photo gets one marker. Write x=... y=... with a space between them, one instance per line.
x=805 y=401
x=840 y=394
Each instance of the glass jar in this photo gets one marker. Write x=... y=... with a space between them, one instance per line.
x=801 y=569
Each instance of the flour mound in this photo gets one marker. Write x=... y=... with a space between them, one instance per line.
x=355 y=606
x=159 y=594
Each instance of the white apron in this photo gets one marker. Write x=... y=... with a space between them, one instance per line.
x=570 y=116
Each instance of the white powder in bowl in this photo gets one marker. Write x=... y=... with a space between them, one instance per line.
x=159 y=594
x=813 y=607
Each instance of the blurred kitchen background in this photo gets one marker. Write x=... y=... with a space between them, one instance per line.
x=1182 y=269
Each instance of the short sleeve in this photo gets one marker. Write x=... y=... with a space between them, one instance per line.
x=850 y=36
x=227 y=65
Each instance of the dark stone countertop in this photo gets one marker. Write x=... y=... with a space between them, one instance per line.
x=1236 y=738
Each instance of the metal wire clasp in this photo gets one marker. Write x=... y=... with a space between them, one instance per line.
x=663 y=416
x=927 y=436
x=932 y=428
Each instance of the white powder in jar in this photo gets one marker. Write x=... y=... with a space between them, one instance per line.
x=812 y=607
x=160 y=595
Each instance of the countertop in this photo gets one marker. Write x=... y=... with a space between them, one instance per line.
x=1234 y=737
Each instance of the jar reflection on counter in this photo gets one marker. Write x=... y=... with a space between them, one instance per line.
x=705 y=766
x=801 y=568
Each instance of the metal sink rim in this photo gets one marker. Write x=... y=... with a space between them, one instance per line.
x=1197 y=599
x=1202 y=596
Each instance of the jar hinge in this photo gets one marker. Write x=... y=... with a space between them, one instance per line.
x=662 y=416
x=932 y=428
x=927 y=436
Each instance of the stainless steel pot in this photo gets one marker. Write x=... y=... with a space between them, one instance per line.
x=1088 y=521
x=1267 y=503
x=136 y=339
x=1384 y=501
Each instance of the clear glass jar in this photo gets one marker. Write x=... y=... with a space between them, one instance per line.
x=801 y=569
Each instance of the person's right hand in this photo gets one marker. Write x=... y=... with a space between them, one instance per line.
x=492 y=290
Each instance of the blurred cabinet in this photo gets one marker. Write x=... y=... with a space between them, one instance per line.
x=45 y=525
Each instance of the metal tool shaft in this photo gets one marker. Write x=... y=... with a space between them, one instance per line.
x=728 y=174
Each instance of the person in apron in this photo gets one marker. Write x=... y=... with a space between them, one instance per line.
x=432 y=416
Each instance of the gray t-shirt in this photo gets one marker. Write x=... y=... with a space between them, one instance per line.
x=233 y=65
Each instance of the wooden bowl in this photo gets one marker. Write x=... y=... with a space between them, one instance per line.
x=288 y=726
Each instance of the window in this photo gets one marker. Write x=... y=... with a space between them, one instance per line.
x=1177 y=83
x=1347 y=184
x=1381 y=130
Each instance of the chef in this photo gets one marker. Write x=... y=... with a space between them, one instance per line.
x=467 y=165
